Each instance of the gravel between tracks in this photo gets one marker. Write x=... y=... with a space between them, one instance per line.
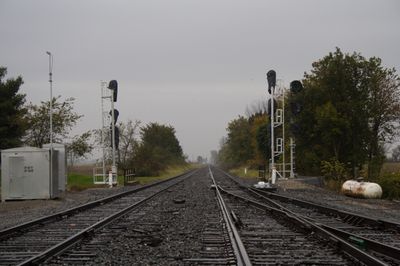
x=173 y=221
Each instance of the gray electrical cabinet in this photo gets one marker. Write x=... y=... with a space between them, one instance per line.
x=62 y=164
x=25 y=174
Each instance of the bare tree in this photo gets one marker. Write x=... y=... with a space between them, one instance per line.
x=128 y=134
x=79 y=147
x=396 y=154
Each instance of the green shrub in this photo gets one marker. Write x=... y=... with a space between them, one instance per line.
x=334 y=170
x=390 y=184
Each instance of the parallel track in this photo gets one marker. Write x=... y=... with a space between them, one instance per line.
x=380 y=238
x=272 y=236
x=36 y=241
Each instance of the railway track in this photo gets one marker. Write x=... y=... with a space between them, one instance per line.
x=183 y=222
x=271 y=236
x=381 y=238
x=161 y=233
x=378 y=238
x=36 y=241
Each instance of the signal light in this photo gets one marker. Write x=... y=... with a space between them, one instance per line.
x=116 y=114
x=296 y=86
x=116 y=137
x=271 y=78
x=113 y=85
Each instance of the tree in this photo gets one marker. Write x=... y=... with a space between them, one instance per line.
x=159 y=148
x=79 y=147
x=384 y=110
x=264 y=143
x=237 y=148
x=128 y=143
x=396 y=153
x=260 y=138
x=12 y=121
x=64 y=118
x=239 y=140
x=350 y=108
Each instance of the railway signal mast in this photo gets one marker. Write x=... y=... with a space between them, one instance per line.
x=276 y=113
x=113 y=86
x=296 y=107
x=277 y=119
x=271 y=78
x=110 y=95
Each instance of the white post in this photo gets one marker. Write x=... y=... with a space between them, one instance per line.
x=114 y=167
x=283 y=130
x=272 y=136
x=110 y=178
x=51 y=115
x=102 y=86
x=273 y=176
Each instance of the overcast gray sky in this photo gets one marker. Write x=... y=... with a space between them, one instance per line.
x=195 y=65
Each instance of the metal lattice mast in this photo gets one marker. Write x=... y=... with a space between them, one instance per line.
x=282 y=89
x=105 y=96
x=277 y=119
x=292 y=152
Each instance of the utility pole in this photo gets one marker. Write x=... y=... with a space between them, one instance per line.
x=51 y=112
x=114 y=166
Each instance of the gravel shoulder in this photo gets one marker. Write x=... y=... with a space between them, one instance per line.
x=377 y=208
x=302 y=189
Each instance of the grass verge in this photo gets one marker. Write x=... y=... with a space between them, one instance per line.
x=168 y=173
x=81 y=181
x=240 y=171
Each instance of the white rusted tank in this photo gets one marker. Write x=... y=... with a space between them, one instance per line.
x=361 y=189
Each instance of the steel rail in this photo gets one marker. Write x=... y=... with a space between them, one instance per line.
x=60 y=247
x=309 y=226
x=5 y=233
x=352 y=218
x=355 y=219
x=389 y=251
x=242 y=258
